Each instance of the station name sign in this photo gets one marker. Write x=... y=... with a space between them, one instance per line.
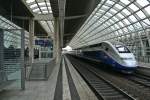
x=44 y=42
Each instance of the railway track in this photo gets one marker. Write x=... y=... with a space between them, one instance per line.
x=104 y=89
x=136 y=90
x=143 y=71
x=142 y=80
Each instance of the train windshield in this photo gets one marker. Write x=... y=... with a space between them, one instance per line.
x=122 y=49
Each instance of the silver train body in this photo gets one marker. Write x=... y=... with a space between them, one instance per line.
x=115 y=54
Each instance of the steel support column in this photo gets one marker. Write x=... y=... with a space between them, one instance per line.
x=57 y=41
x=22 y=59
x=59 y=30
x=31 y=41
x=62 y=4
x=2 y=74
x=54 y=40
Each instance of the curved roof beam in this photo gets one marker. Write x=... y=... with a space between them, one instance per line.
x=113 y=19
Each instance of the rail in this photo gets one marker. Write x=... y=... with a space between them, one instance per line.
x=104 y=89
x=138 y=90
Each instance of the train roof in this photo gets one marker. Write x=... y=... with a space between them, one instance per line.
x=95 y=45
x=116 y=43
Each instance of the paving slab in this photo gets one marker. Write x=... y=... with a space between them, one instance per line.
x=35 y=90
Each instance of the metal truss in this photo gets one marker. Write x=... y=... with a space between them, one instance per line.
x=120 y=20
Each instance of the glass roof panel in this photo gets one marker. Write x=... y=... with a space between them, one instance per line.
x=147 y=21
x=98 y=14
x=48 y=26
x=120 y=15
x=126 y=21
x=141 y=14
x=105 y=7
x=43 y=8
x=41 y=5
x=113 y=11
x=125 y=29
x=110 y=2
x=118 y=6
x=108 y=14
x=111 y=20
x=125 y=11
x=33 y=6
x=45 y=12
x=133 y=7
x=51 y=26
x=121 y=24
x=142 y=2
x=30 y=1
x=4 y=23
x=112 y=27
x=120 y=31
x=48 y=4
x=132 y=18
x=10 y=37
x=131 y=27
x=45 y=25
x=115 y=18
x=36 y=10
x=137 y=25
x=126 y=17
x=116 y=25
x=148 y=9
x=125 y=1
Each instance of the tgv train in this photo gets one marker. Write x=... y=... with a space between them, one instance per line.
x=115 y=54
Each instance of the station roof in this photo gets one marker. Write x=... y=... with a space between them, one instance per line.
x=17 y=12
x=42 y=8
x=85 y=23
x=12 y=37
x=114 y=20
x=20 y=11
x=76 y=12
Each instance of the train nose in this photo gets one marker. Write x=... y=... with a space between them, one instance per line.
x=131 y=63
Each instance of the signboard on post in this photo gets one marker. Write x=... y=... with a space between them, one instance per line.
x=43 y=42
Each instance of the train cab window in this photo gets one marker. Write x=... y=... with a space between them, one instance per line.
x=106 y=49
x=100 y=44
x=93 y=46
x=122 y=49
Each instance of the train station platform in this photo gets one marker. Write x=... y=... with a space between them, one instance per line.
x=49 y=28
x=145 y=65
x=64 y=83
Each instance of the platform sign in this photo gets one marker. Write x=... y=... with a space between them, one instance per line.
x=43 y=43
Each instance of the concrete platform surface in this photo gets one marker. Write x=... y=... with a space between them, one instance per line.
x=64 y=84
x=35 y=90
x=142 y=64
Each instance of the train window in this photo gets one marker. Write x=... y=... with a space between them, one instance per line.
x=122 y=49
x=126 y=58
